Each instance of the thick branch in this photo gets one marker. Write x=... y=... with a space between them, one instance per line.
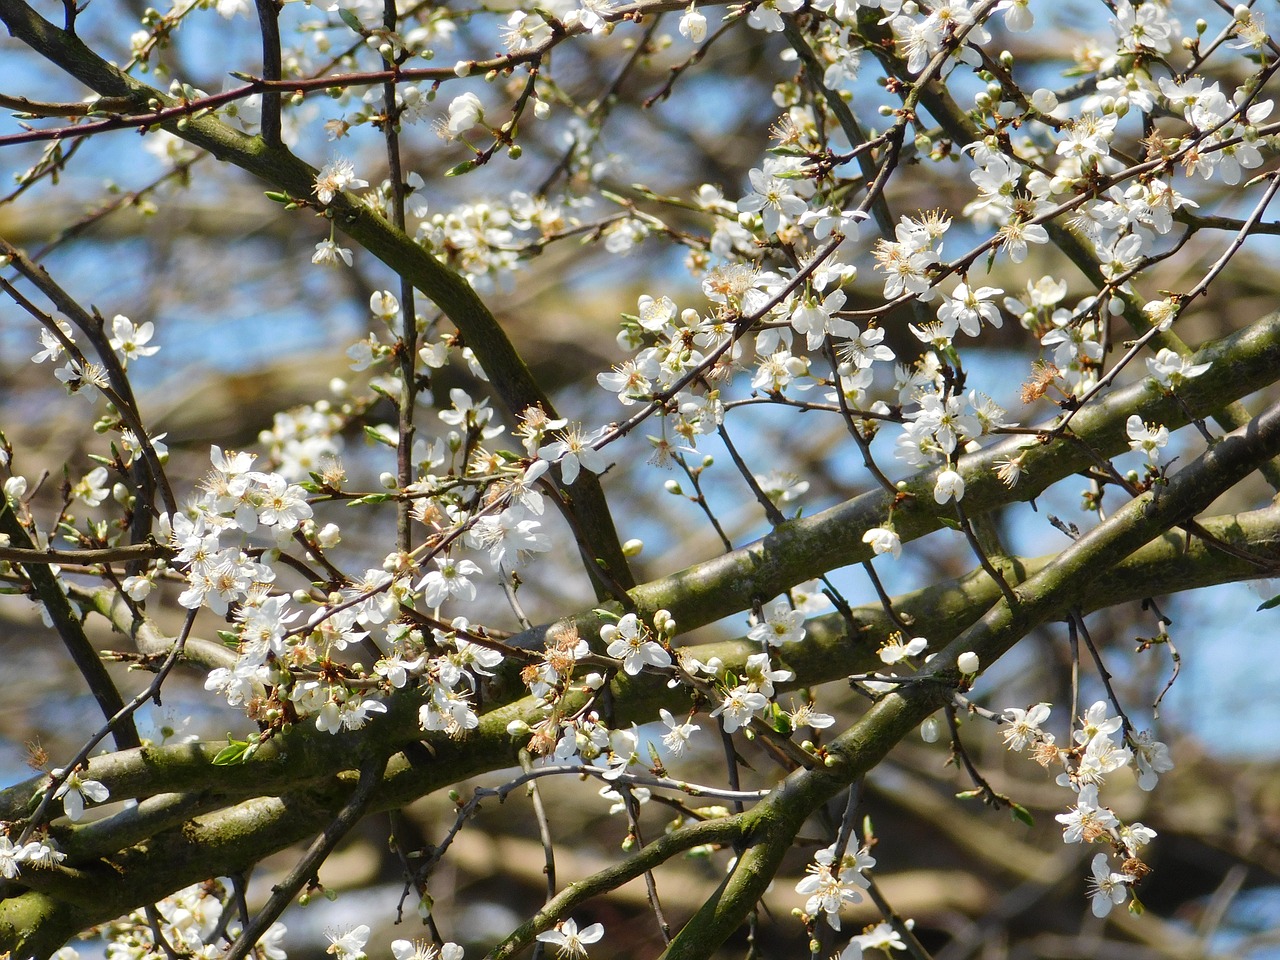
x=173 y=824
x=1050 y=592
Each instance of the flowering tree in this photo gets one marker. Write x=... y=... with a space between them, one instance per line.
x=432 y=570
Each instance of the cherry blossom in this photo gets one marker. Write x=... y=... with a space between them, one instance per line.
x=1147 y=437
x=1108 y=889
x=631 y=642
x=1024 y=725
x=569 y=941
x=348 y=944
x=774 y=195
x=75 y=789
x=781 y=625
x=883 y=540
x=337 y=175
x=131 y=340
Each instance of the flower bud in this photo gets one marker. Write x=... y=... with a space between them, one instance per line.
x=1044 y=100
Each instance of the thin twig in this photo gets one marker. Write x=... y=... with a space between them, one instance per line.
x=125 y=713
x=304 y=871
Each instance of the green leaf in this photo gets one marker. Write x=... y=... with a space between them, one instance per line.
x=1019 y=812
x=236 y=751
x=377 y=436
x=1268 y=604
x=371 y=498
x=276 y=196
x=466 y=166
x=951 y=522
x=351 y=20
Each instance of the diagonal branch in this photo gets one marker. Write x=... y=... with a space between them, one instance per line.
x=70 y=628
x=282 y=794
x=1050 y=592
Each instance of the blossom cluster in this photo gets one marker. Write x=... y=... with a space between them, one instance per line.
x=191 y=920
x=33 y=853
x=1100 y=745
x=778 y=314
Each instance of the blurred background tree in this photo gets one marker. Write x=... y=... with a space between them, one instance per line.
x=564 y=163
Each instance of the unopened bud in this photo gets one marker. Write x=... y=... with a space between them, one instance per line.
x=1044 y=100
x=929 y=730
